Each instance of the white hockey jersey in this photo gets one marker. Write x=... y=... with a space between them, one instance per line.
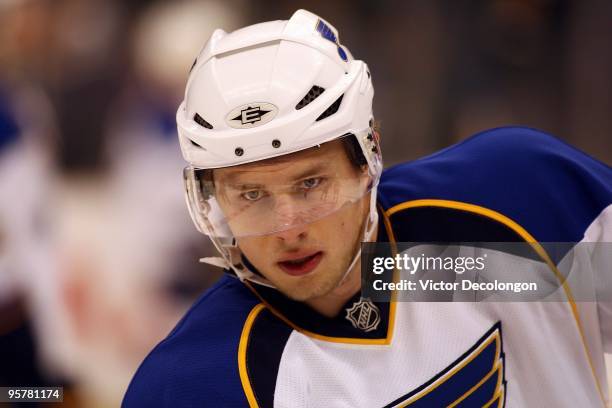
x=248 y=345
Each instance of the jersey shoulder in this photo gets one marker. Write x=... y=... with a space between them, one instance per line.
x=548 y=187
x=196 y=365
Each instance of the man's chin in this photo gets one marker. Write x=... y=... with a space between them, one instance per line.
x=305 y=291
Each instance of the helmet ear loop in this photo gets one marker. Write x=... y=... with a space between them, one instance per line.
x=370 y=140
x=369 y=228
x=195 y=201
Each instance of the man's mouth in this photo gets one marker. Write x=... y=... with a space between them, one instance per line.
x=301 y=266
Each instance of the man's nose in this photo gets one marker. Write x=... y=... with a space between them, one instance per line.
x=290 y=218
x=292 y=235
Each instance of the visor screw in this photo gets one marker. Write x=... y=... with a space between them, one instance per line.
x=239 y=151
x=276 y=143
x=375 y=150
x=370 y=137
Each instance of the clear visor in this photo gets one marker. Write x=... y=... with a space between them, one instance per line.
x=276 y=194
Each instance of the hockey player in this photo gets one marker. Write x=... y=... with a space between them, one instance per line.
x=285 y=177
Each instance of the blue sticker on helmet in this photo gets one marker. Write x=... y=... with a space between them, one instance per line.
x=328 y=34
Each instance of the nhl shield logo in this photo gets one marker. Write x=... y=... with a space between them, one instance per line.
x=251 y=115
x=364 y=315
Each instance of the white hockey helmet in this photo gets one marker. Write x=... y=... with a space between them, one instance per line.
x=264 y=91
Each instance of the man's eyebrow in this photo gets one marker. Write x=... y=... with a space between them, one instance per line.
x=318 y=168
x=233 y=178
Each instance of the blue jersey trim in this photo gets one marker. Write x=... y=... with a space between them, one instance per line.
x=552 y=189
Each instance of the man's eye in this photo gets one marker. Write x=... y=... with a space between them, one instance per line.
x=252 y=195
x=311 y=183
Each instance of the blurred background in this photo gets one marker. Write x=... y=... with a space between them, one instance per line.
x=98 y=257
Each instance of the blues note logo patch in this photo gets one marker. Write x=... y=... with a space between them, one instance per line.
x=476 y=379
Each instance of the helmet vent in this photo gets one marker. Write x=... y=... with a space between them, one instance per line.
x=195 y=144
x=333 y=108
x=200 y=121
x=313 y=94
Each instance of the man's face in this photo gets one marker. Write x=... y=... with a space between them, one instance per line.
x=308 y=254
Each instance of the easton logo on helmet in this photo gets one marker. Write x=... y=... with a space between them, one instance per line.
x=250 y=115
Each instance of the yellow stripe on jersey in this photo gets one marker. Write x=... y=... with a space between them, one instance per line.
x=242 y=350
